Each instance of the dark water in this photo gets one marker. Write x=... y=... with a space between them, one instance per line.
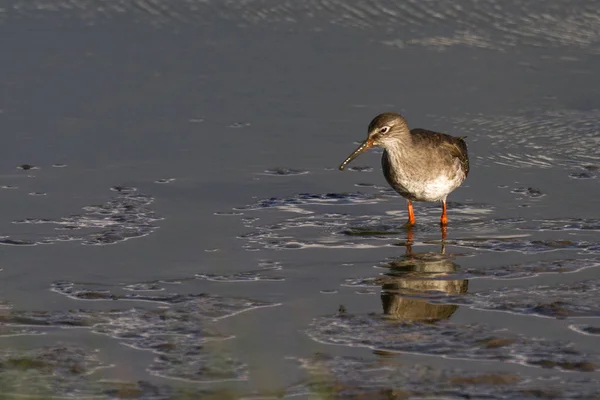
x=174 y=225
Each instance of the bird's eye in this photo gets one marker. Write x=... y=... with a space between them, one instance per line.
x=384 y=129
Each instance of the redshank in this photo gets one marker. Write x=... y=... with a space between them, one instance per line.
x=420 y=165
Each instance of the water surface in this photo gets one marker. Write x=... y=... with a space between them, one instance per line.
x=174 y=224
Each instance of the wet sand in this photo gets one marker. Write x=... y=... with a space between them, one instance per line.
x=174 y=223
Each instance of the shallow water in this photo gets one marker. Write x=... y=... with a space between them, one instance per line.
x=175 y=226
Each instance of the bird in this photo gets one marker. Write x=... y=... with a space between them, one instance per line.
x=419 y=164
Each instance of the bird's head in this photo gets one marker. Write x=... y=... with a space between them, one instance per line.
x=384 y=130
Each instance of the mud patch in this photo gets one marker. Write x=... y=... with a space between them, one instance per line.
x=360 y=169
x=448 y=340
x=284 y=172
x=6 y=331
x=586 y=329
x=60 y=370
x=529 y=192
x=563 y=224
x=387 y=378
x=525 y=246
x=63 y=371
x=179 y=331
x=164 y=180
x=27 y=167
x=148 y=391
x=560 y=301
x=404 y=266
x=581 y=175
x=178 y=337
x=16 y=242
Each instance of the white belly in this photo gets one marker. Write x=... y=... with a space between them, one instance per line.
x=433 y=190
x=416 y=181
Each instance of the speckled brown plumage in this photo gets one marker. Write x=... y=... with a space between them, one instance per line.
x=456 y=145
x=419 y=164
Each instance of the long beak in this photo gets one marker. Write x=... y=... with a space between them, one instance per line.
x=366 y=145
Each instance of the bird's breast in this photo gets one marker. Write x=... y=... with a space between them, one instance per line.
x=418 y=182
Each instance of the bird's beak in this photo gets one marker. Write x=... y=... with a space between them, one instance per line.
x=367 y=144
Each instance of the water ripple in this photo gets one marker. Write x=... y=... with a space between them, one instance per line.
x=493 y=25
x=562 y=138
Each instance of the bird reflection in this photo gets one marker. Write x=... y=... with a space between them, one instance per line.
x=415 y=274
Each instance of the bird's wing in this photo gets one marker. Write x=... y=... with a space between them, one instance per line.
x=456 y=145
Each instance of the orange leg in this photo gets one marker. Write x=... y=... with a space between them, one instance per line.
x=411 y=215
x=444 y=219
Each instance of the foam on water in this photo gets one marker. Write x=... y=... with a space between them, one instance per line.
x=209 y=307
x=310 y=226
x=560 y=301
x=261 y=274
x=126 y=216
x=178 y=330
x=303 y=200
